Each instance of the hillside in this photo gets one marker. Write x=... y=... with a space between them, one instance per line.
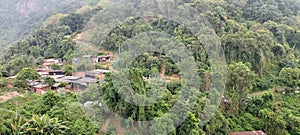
x=203 y=67
x=20 y=17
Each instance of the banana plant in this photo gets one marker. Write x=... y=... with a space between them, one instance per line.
x=44 y=125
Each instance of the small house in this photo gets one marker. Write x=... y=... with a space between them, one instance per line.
x=83 y=83
x=78 y=85
x=48 y=62
x=104 y=59
x=95 y=59
x=33 y=83
x=41 y=88
x=43 y=72
x=96 y=74
x=55 y=86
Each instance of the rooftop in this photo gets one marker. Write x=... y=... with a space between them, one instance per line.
x=33 y=83
x=56 y=76
x=56 y=85
x=43 y=73
x=98 y=71
x=87 y=56
x=41 y=86
x=12 y=77
x=53 y=60
x=72 y=77
x=89 y=80
x=106 y=56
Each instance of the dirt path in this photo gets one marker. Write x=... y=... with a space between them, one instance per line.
x=173 y=77
x=260 y=93
x=163 y=69
x=10 y=95
x=80 y=36
x=116 y=123
x=104 y=127
x=77 y=37
x=163 y=74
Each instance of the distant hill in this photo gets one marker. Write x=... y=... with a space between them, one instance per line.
x=19 y=17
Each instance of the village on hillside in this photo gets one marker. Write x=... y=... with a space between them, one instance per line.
x=76 y=82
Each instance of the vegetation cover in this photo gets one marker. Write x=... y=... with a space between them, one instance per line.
x=260 y=40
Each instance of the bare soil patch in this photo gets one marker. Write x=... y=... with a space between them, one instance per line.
x=10 y=95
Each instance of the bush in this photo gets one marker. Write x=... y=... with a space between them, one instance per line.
x=3 y=82
x=55 y=67
x=260 y=84
x=63 y=84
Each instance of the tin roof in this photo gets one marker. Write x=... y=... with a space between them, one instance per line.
x=98 y=71
x=41 y=86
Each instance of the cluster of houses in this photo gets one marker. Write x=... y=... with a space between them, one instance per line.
x=77 y=82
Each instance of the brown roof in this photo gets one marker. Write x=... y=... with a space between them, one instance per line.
x=248 y=133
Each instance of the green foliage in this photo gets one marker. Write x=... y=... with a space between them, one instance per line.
x=49 y=41
x=44 y=114
x=21 y=84
x=217 y=125
x=63 y=84
x=239 y=82
x=15 y=65
x=25 y=75
x=165 y=126
x=44 y=125
x=262 y=11
x=74 y=21
x=289 y=77
x=18 y=21
x=49 y=81
x=55 y=67
x=260 y=84
x=190 y=126
x=68 y=70
x=115 y=102
x=273 y=123
x=261 y=45
x=3 y=82
x=3 y=72
x=248 y=47
x=28 y=74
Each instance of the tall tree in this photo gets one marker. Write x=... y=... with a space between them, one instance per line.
x=239 y=82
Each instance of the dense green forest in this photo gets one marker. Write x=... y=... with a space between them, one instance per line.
x=260 y=42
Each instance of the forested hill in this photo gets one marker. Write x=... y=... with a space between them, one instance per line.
x=19 y=17
x=261 y=44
